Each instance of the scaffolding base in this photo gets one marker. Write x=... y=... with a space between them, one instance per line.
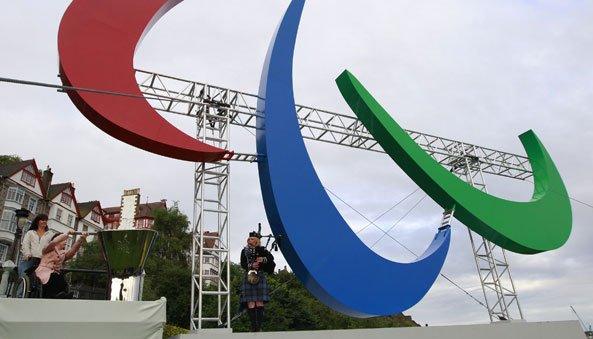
x=507 y=330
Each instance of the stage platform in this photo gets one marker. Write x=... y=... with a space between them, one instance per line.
x=88 y=319
x=503 y=330
x=59 y=319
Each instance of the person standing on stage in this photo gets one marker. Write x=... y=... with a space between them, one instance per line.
x=256 y=260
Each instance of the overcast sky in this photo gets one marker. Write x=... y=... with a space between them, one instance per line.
x=478 y=71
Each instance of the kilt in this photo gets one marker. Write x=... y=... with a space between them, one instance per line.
x=257 y=292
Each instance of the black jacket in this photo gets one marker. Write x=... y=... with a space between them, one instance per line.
x=268 y=266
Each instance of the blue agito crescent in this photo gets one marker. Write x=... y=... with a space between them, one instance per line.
x=325 y=254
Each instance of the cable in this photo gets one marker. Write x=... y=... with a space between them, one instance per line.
x=565 y=195
x=412 y=252
x=91 y=90
x=152 y=96
x=399 y=220
x=160 y=97
x=387 y=211
x=371 y=222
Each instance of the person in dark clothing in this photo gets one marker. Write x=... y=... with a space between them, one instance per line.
x=256 y=260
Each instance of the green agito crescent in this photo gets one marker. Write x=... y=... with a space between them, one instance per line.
x=541 y=224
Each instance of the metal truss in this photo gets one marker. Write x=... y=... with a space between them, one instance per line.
x=211 y=277
x=216 y=106
x=493 y=268
x=174 y=95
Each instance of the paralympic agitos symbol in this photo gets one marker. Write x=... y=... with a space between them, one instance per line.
x=97 y=41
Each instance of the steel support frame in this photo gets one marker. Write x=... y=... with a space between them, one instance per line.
x=493 y=268
x=211 y=215
x=209 y=103
x=185 y=97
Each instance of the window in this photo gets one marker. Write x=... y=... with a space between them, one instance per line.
x=32 y=206
x=143 y=223
x=27 y=226
x=70 y=220
x=66 y=199
x=8 y=221
x=59 y=214
x=28 y=178
x=96 y=217
x=15 y=194
x=3 y=252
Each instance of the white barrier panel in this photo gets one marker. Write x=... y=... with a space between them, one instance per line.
x=88 y=319
x=502 y=330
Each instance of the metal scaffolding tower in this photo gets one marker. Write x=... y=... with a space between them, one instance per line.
x=497 y=283
x=211 y=277
x=216 y=108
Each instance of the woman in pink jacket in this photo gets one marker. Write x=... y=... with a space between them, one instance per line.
x=49 y=270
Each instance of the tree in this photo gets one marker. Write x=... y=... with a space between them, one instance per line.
x=168 y=271
x=9 y=159
x=90 y=257
x=168 y=274
x=293 y=308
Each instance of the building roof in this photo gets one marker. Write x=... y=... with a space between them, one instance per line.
x=146 y=210
x=86 y=207
x=110 y=210
x=10 y=169
x=56 y=189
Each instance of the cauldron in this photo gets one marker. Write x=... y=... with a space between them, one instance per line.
x=126 y=251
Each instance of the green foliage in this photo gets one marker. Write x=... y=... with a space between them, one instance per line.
x=9 y=159
x=293 y=308
x=171 y=331
x=168 y=274
x=89 y=257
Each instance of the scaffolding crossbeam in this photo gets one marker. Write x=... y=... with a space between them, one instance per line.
x=214 y=104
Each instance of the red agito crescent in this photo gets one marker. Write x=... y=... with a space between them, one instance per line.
x=97 y=41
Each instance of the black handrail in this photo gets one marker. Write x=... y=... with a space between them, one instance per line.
x=82 y=270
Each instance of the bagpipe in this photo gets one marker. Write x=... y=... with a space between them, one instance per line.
x=260 y=254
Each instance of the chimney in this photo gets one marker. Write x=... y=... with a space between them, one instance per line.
x=46 y=177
